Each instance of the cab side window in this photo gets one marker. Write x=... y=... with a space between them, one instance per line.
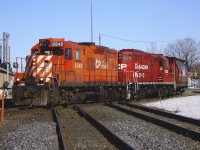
x=78 y=55
x=68 y=53
x=167 y=64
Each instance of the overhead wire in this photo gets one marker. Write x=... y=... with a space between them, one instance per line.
x=128 y=40
x=124 y=39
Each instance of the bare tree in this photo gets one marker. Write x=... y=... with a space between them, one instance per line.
x=154 y=48
x=187 y=49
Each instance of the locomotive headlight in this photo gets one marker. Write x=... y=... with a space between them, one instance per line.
x=18 y=79
x=34 y=61
x=41 y=79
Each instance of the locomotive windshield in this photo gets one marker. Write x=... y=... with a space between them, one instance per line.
x=35 y=51
x=57 y=52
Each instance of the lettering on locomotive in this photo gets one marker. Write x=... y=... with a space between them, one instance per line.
x=45 y=43
x=122 y=66
x=138 y=74
x=78 y=66
x=100 y=64
x=140 y=66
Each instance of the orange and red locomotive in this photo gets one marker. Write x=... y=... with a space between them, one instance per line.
x=59 y=71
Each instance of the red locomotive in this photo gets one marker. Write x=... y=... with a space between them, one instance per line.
x=149 y=74
x=59 y=71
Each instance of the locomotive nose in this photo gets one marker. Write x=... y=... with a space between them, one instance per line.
x=40 y=67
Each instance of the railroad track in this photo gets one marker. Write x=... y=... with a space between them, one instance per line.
x=111 y=136
x=182 y=125
x=62 y=142
x=75 y=131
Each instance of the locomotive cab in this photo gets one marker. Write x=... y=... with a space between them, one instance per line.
x=34 y=82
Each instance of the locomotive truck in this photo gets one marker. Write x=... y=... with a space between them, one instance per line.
x=59 y=71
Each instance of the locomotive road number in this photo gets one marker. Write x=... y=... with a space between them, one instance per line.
x=57 y=44
x=78 y=66
x=139 y=75
x=126 y=57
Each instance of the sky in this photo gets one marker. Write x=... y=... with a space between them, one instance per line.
x=147 y=21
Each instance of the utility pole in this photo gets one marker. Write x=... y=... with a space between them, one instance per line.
x=91 y=24
x=99 y=38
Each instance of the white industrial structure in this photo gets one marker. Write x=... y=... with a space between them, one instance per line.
x=6 y=75
x=6 y=47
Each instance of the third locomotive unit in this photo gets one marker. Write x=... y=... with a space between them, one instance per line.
x=59 y=71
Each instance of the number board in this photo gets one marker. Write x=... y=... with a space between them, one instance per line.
x=57 y=44
x=46 y=43
x=126 y=57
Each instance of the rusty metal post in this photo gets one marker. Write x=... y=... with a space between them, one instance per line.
x=2 y=108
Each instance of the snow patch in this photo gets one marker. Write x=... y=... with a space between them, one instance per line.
x=185 y=106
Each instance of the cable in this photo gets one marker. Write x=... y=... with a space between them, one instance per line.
x=138 y=41
x=124 y=39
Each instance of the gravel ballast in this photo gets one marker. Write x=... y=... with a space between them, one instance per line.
x=28 y=129
x=143 y=135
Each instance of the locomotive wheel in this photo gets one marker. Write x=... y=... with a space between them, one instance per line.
x=170 y=91
x=181 y=91
x=162 y=92
x=62 y=92
x=105 y=95
x=81 y=96
x=167 y=92
x=70 y=96
x=110 y=94
x=123 y=95
x=142 y=93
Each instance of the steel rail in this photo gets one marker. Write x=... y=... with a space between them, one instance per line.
x=175 y=128
x=164 y=113
x=62 y=143
x=116 y=140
